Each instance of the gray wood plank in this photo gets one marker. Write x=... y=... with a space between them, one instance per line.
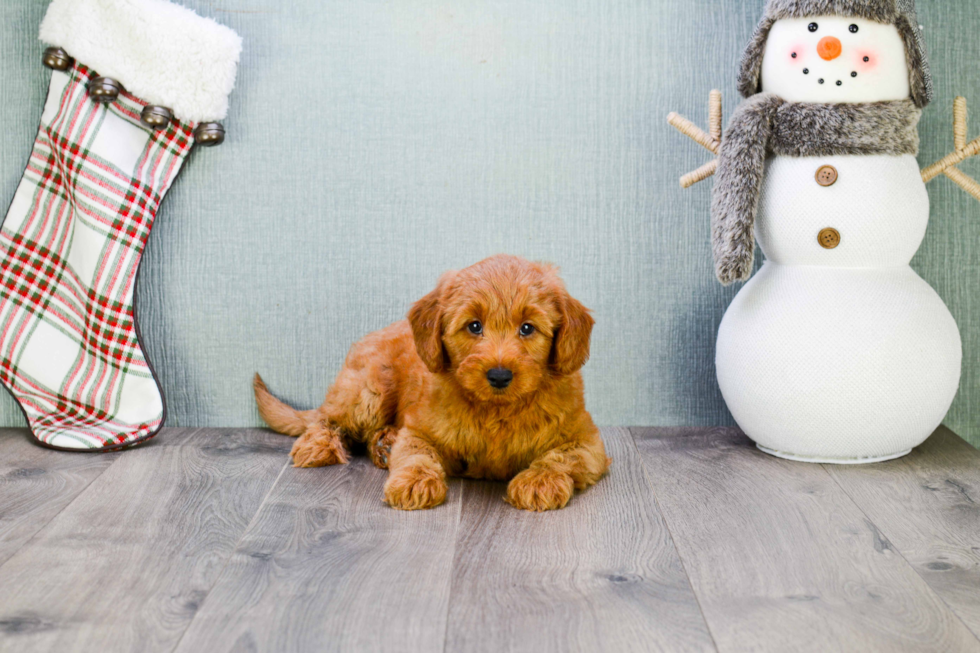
x=328 y=566
x=928 y=505
x=126 y=565
x=600 y=575
x=780 y=557
x=36 y=484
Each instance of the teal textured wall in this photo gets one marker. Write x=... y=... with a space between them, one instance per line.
x=373 y=144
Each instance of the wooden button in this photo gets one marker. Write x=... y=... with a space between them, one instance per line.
x=829 y=238
x=827 y=176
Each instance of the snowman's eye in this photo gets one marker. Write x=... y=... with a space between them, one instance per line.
x=813 y=27
x=854 y=29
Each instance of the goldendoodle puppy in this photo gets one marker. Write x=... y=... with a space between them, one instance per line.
x=481 y=381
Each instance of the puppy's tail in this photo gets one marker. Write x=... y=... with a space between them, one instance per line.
x=281 y=417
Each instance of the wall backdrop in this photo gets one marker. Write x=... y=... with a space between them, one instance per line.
x=375 y=143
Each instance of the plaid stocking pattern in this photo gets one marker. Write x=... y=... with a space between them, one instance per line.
x=70 y=249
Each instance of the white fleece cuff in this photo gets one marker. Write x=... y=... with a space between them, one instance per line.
x=162 y=53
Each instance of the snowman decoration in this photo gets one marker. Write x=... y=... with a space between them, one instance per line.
x=835 y=351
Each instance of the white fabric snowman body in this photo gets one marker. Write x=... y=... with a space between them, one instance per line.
x=836 y=351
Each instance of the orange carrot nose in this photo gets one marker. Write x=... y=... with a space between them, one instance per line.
x=829 y=48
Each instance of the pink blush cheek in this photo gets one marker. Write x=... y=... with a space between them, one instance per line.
x=800 y=52
x=866 y=66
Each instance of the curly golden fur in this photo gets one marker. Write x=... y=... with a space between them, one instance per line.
x=419 y=396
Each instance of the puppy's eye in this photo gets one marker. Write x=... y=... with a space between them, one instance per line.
x=527 y=329
x=475 y=327
x=813 y=27
x=854 y=29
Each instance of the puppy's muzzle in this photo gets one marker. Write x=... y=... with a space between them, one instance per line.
x=500 y=377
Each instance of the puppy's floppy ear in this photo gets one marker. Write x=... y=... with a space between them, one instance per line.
x=426 y=320
x=570 y=347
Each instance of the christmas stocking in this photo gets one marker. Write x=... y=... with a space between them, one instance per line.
x=135 y=84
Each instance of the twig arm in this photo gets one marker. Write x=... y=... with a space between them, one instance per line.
x=964 y=181
x=692 y=131
x=710 y=140
x=960 y=121
x=702 y=173
x=955 y=158
x=715 y=115
x=962 y=152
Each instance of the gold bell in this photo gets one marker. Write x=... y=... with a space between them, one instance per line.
x=104 y=89
x=156 y=117
x=56 y=59
x=209 y=134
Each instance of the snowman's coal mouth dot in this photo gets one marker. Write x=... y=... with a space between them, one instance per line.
x=854 y=74
x=806 y=71
x=840 y=83
x=821 y=81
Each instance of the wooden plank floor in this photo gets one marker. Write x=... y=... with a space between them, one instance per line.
x=208 y=540
x=600 y=575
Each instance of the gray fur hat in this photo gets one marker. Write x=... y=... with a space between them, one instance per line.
x=900 y=13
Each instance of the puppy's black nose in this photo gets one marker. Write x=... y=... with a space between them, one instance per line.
x=500 y=377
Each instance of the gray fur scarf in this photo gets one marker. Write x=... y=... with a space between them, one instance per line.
x=766 y=125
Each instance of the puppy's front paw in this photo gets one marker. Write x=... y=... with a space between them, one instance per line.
x=318 y=450
x=540 y=489
x=415 y=488
x=379 y=449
